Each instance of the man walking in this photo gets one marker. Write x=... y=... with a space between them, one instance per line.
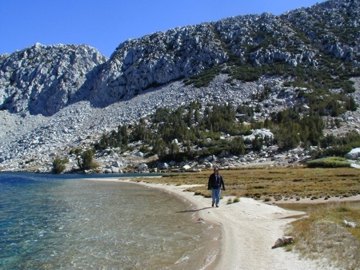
x=215 y=183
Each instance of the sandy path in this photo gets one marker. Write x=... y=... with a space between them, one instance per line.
x=250 y=228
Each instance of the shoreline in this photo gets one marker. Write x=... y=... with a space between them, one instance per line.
x=248 y=231
x=210 y=252
x=210 y=261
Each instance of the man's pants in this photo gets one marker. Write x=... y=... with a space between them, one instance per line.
x=215 y=195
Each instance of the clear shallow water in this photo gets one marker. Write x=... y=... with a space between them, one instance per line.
x=75 y=224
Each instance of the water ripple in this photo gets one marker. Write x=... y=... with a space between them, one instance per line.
x=78 y=224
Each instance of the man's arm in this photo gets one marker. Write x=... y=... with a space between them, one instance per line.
x=222 y=183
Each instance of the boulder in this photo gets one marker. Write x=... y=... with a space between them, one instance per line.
x=117 y=164
x=143 y=167
x=284 y=241
x=139 y=154
x=163 y=166
x=115 y=169
x=353 y=154
x=186 y=167
x=350 y=224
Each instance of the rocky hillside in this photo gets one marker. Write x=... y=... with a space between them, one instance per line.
x=332 y=27
x=299 y=38
x=44 y=79
x=53 y=98
x=156 y=60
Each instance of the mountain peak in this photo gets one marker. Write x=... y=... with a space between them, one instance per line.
x=43 y=79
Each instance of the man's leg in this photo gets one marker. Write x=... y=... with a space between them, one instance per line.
x=213 y=196
x=218 y=192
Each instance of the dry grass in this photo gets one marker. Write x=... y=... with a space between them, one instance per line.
x=330 y=212
x=276 y=183
x=323 y=234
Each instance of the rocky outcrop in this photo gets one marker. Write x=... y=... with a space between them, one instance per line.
x=284 y=241
x=155 y=60
x=44 y=79
x=333 y=27
x=353 y=154
x=264 y=39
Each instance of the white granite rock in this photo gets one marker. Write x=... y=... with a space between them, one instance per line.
x=353 y=154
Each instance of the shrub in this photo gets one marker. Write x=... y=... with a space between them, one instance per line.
x=337 y=150
x=237 y=146
x=140 y=132
x=287 y=136
x=59 y=165
x=204 y=78
x=328 y=162
x=86 y=160
x=339 y=146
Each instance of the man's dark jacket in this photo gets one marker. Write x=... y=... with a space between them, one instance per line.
x=216 y=182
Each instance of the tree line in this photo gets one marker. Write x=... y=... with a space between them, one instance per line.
x=195 y=131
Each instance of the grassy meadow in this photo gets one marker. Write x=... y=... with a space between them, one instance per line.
x=275 y=183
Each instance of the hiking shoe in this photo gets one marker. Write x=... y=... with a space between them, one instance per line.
x=217 y=205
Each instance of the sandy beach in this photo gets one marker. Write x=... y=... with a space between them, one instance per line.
x=249 y=230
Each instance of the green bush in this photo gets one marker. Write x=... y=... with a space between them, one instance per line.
x=140 y=132
x=287 y=136
x=328 y=162
x=339 y=146
x=59 y=165
x=337 y=150
x=198 y=131
x=237 y=146
x=204 y=78
x=86 y=160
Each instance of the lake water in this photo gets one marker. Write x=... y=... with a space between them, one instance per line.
x=54 y=223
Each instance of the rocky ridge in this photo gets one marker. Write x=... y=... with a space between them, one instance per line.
x=44 y=79
x=53 y=98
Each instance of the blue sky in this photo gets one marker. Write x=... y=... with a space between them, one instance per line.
x=104 y=24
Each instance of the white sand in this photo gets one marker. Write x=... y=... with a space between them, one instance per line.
x=250 y=228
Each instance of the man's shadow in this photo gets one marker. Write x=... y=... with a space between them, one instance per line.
x=193 y=210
